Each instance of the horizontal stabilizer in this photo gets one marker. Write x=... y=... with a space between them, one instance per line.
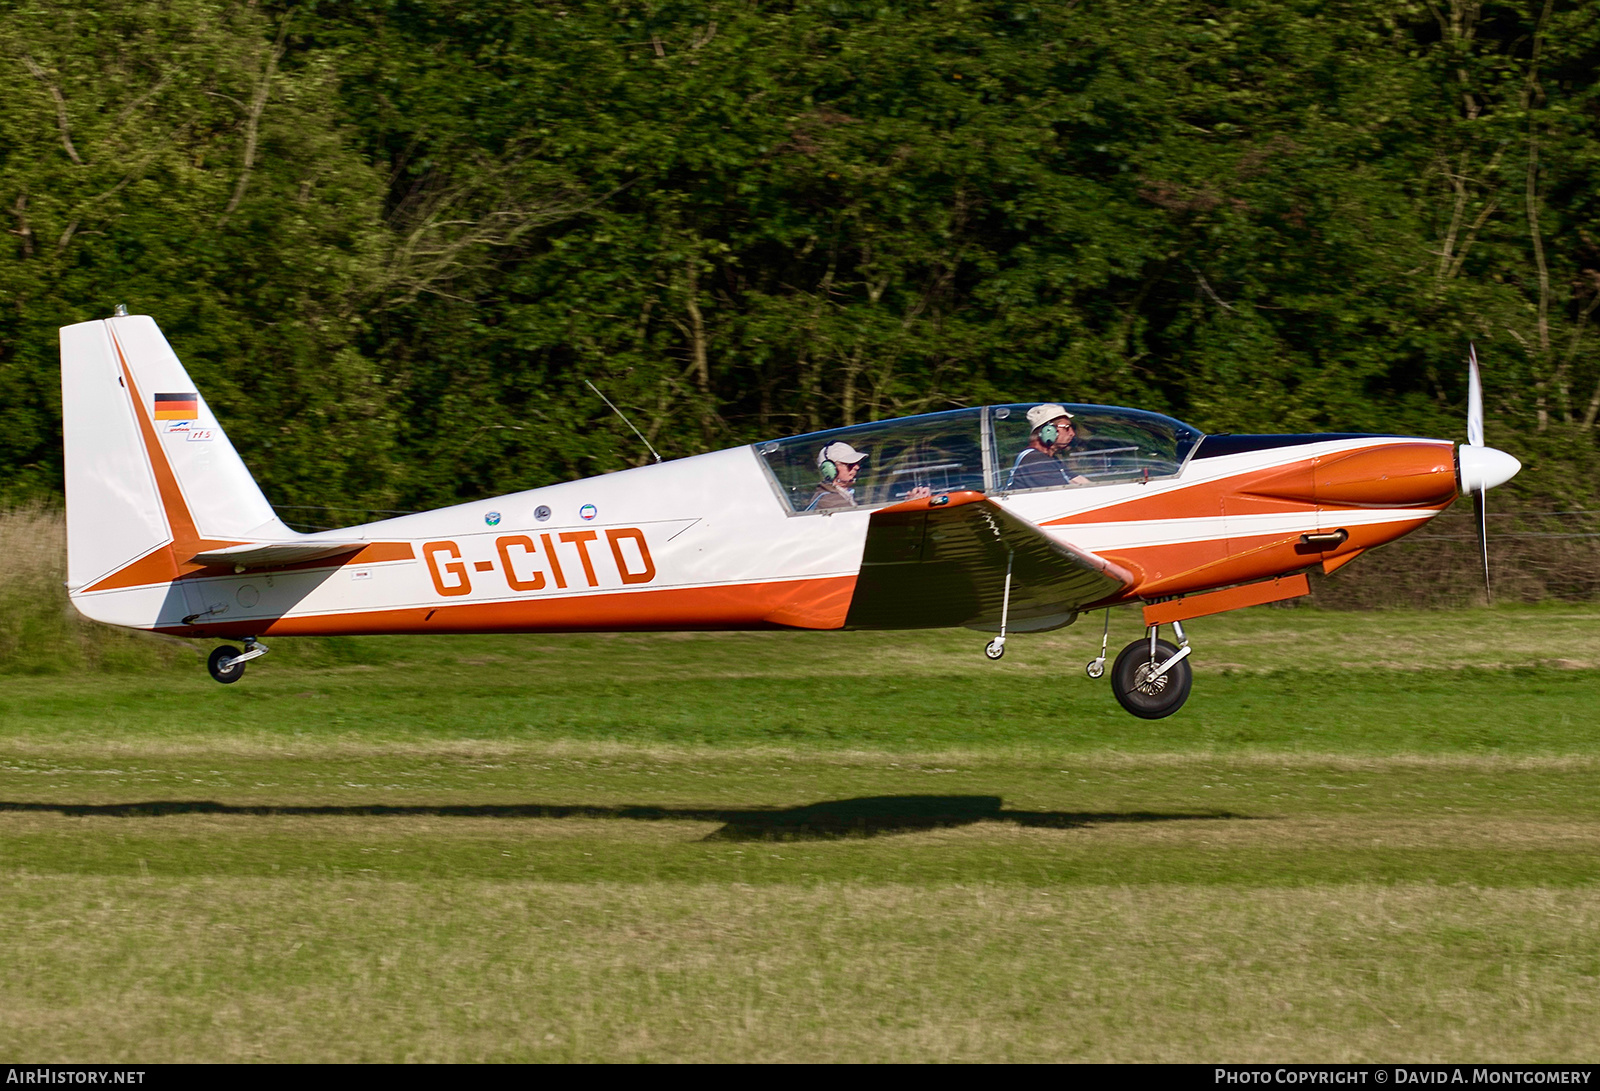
x=274 y=554
x=941 y=563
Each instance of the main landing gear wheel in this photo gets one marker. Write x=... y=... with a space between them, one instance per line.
x=225 y=674
x=1150 y=698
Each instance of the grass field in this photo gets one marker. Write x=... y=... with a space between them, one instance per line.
x=1367 y=837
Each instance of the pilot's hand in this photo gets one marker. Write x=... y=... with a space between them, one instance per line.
x=921 y=492
x=1077 y=479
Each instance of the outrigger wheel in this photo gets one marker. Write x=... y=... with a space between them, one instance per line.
x=222 y=666
x=1147 y=697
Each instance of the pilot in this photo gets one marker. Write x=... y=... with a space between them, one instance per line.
x=1039 y=465
x=837 y=464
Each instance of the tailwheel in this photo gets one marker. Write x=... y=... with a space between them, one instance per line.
x=1144 y=692
x=222 y=666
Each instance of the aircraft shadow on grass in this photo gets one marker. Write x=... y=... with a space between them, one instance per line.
x=869 y=816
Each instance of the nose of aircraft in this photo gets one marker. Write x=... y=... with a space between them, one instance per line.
x=1480 y=468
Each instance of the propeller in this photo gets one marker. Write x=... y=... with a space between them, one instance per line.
x=1481 y=468
x=1474 y=399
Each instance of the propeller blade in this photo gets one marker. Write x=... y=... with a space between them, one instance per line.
x=1481 y=468
x=1480 y=501
x=1474 y=402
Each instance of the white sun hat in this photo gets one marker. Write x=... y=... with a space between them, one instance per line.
x=1041 y=415
x=840 y=451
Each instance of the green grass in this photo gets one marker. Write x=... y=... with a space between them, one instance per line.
x=566 y=814
x=368 y=969
x=1367 y=837
x=1512 y=712
x=1513 y=681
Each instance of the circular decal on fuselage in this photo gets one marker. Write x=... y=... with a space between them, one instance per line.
x=541 y=513
x=493 y=518
x=588 y=511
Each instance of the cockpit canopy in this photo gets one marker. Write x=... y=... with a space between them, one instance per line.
x=979 y=449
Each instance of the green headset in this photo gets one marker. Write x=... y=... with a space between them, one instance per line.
x=1049 y=433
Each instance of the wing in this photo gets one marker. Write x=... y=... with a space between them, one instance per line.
x=273 y=554
x=941 y=562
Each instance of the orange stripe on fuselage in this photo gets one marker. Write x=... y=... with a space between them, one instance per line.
x=1380 y=475
x=820 y=603
x=1171 y=570
x=1415 y=473
x=1201 y=500
x=157 y=566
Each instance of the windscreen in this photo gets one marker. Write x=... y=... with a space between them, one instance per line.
x=1105 y=445
x=905 y=457
x=900 y=459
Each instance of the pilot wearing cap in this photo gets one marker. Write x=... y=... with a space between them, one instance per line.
x=1039 y=465
x=837 y=466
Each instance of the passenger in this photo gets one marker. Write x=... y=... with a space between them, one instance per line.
x=837 y=464
x=1039 y=465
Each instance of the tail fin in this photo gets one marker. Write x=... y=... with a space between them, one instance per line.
x=151 y=477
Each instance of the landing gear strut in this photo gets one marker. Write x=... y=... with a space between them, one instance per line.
x=226 y=663
x=1097 y=666
x=1151 y=678
x=997 y=647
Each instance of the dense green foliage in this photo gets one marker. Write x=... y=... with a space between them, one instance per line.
x=392 y=239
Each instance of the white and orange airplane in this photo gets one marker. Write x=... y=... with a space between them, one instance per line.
x=1002 y=518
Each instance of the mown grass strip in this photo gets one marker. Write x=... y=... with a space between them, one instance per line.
x=350 y=968
x=1533 y=711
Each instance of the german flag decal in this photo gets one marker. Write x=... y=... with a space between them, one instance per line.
x=177 y=407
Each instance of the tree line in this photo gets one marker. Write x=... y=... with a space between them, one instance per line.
x=392 y=240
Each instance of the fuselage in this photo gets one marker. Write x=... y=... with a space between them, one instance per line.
x=708 y=542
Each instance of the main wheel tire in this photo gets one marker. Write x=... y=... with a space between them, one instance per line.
x=1146 y=697
x=219 y=656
